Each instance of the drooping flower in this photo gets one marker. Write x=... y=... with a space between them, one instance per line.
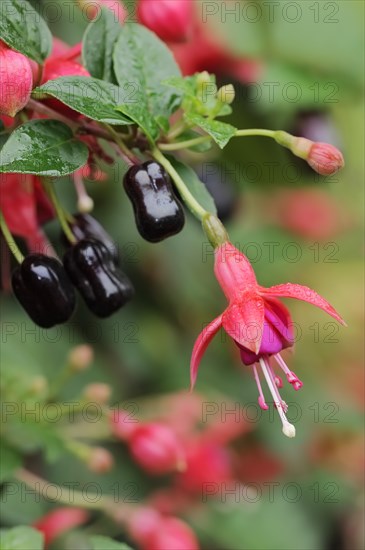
x=155 y=447
x=60 y=520
x=154 y=531
x=56 y=67
x=258 y=322
x=16 y=80
x=24 y=204
x=171 y=20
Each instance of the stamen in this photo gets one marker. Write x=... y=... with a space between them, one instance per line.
x=288 y=429
x=261 y=398
x=277 y=379
x=278 y=396
x=290 y=375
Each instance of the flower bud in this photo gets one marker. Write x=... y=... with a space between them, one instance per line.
x=206 y=463
x=325 y=159
x=16 y=80
x=226 y=94
x=38 y=386
x=152 y=531
x=100 y=460
x=80 y=357
x=171 y=20
x=56 y=522
x=156 y=448
x=55 y=68
x=173 y=534
x=143 y=523
x=98 y=393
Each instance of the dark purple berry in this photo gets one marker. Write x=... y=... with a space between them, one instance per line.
x=157 y=211
x=43 y=289
x=85 y=226
x=103 y=286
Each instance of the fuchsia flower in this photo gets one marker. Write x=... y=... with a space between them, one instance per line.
x=259 y=324
x=16 y=80
x=171 y=20
x=154 y=531
x=58 y=521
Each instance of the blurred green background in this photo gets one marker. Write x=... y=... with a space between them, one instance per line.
x=312 y=63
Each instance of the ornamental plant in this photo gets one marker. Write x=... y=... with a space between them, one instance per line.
x=120 y=94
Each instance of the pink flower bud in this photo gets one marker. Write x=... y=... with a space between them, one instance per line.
x=155 y=448
x=100 y=460
x=325 y=159
x=152 y=531
x=80 y=357
x=56 y=522
x=16 y=80
x=171 y=20
x=55 y=68
x=206 y=463
x=310 y=213
x=143 y=523
x=173 y=534
x=98 y=393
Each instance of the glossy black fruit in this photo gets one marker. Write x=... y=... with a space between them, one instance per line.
x=87 y=227
x=92 y=270
x=158 y=212
x=43 y=289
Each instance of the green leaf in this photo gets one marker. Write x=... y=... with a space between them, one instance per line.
x=186 y=84
x=193 y=183
x=10 y=460
x=221 y=132
x=21 y=538
x=91 y=97
x=98 y=45
x=105 y=543
x=44 y=148
x=24 y=30
x=142 y=61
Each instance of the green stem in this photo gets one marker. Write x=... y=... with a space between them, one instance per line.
x=177 y=129
x=63 y=494
x=183 y=144
x=126 y=154
x=255 y=132
x=198 y=211
x=9 y=239
x=48 y=184
x=60 y=382
x=203 y=139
